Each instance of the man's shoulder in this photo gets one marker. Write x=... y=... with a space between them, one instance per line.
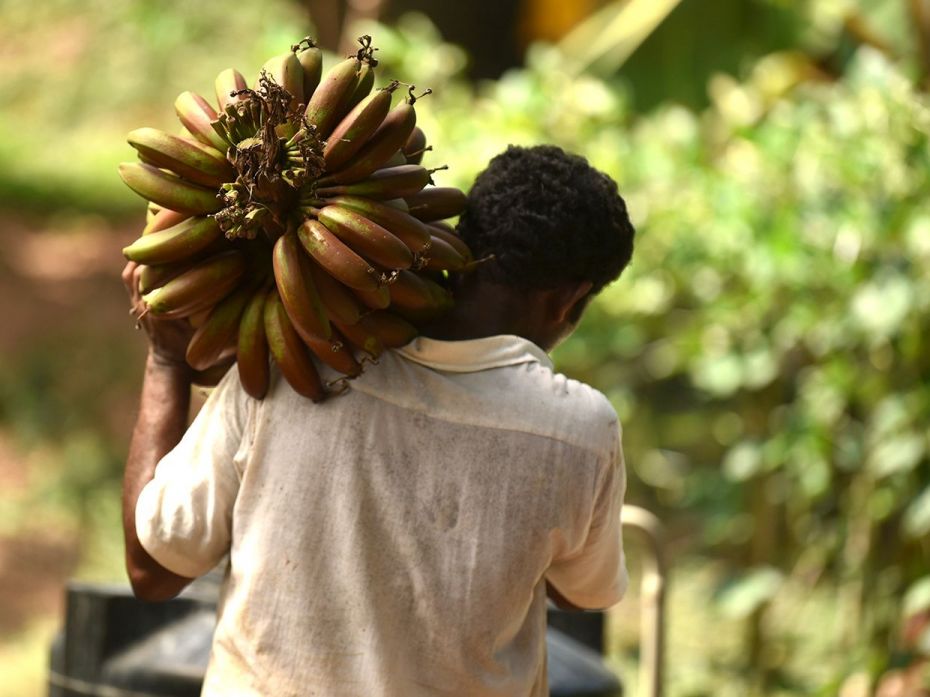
x=575 y=410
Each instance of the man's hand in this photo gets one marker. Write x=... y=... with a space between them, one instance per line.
x=160 y=424
x=168 y=338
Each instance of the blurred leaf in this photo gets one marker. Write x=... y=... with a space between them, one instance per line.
x=611 y=35
x=900 y=453
x=917 y=598
x=917 y=515
x=742 y=596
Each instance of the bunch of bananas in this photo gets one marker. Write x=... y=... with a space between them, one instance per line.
x=295 y=220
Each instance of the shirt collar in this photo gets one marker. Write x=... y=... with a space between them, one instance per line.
x=474 y=354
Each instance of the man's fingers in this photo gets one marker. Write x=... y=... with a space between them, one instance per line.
x=134 y=291
x=127 y=274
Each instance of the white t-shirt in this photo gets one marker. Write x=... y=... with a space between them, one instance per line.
x=395 y=541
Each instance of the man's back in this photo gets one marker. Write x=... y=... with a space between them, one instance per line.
x=396 y=540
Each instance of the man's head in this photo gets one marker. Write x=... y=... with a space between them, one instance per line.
x=557 y=228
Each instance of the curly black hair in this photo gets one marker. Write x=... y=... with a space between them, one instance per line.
x=549 y=218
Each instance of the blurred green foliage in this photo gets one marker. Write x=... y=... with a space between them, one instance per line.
x=766 y=350
x=77 y=76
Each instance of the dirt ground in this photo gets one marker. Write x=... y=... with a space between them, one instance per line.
x=59 y=278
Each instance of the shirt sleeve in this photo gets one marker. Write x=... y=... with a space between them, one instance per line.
x=184 y=514
x=595 y=576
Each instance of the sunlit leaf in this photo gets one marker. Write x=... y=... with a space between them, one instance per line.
x=742 y=596
x=917 y=515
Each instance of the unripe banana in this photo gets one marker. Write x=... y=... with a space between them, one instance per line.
x=335 y=353
x=196 y=115
x=415 y=146
x=388 y=139
x=189 y=159
x=211 y=376
x=286 y=70
x=230 y=80
x=297 y=290
x=167 y=190
x=326 y=106
x=408 y=229
x=311 y=60
x=393 y=331
x=442 y=256
x=289 y=352
x=447 y=233
x=398 y=203
x=164 y=219
x=385 y=183
x=436 y=203
x=364 y=81
x=376 y=299
x=366 y=237
x=361 y=338
x=152 y=277
x=214 y=335
x=358 y=125
x=336 y=257
x=252 y=347
x=395 y=160
x=414 y=292
x=198 y=288
x=338 y=300
x=176 y=243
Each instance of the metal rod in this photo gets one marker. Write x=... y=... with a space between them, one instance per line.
x=652 y=602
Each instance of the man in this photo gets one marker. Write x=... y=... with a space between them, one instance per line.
x=400 y=539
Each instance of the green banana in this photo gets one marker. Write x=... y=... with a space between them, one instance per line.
x=388 y=139
x=177 y=243
x=196 y=114
x=408 y=229
x=163 y=219
x=252 y=347
x=228 y=81
x=360 y=338
x=197 y=288
x=447 y=233
x=366 y=237
x=376 y=299
x=287 y=71
x=336 y=257
x=336 y=298
x=398 y=203
x=168 y=190
x=289 y=352
x=297 y=290
x=385 y=183
x=411 y=291
x=442 y=256
x=335 y=353
x=391 y=330
x=214 y=335
x=364 y=82
x=436 y=203
x=395 y=160
x=189 y=159
x=311 y=60
x=360 y=123
x=415 y=146
x=211 y=376
x=327 y=103
x=152 y=277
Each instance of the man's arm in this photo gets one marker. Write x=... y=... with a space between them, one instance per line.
x=160 y=425
x=559 y=599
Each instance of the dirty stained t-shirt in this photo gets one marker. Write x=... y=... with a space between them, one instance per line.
x=395 y=541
